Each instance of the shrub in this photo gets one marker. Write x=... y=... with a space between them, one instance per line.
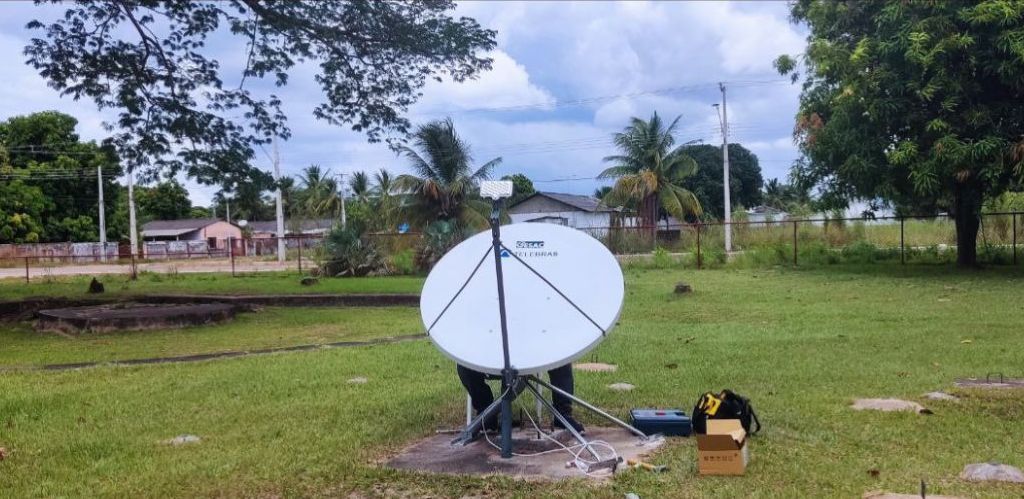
x=404 y=262
x=348 y=255
x=438 y=238
x=860 y=252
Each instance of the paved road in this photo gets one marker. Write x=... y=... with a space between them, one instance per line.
x=181 y=266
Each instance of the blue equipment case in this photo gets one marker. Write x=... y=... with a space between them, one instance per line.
x=668 y=422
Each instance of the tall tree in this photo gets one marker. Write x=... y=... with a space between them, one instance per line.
x=745 y=180
x=445 y=185
x=522 y=187
x=319 y=196
x=166 y=200
x=44 y=157
x=917 y=103
x=649 y=171
x=179 y=108
x=359 y=182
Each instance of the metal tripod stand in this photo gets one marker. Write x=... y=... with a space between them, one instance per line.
x=512 y=382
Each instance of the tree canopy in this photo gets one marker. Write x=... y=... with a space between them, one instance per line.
x=179 y=107
x=649 y=171
x=522 y=188
x=167 y=200
x=444 y=185
x=48 y=185
x=917 y=103
x=745 y=180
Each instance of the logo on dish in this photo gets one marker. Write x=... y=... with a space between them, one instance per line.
x=529 y=244
x=533 y=249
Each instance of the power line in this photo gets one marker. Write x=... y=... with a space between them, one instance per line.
x=604 y=98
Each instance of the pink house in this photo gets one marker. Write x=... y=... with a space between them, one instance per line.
x=212 y=230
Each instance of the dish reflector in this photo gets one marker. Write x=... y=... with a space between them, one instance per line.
x=545 y=329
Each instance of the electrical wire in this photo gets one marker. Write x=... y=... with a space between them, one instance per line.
x=575 y=451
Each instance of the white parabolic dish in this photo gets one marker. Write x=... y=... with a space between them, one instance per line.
x=545 y=330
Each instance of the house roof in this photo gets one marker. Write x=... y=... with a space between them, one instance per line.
x=178 y=226
x=765 y=210
x=582 y=203
x=289 y=225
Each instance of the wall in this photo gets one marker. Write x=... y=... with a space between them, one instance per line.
x=575 y=219
x=79 y=251
x=220 y=231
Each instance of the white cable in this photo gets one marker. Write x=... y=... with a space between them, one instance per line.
x=578 y=461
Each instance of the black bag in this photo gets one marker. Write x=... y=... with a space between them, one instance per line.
x=725 y=405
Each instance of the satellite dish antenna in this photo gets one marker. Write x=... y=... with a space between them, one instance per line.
x=555 y=312
x=551 y=294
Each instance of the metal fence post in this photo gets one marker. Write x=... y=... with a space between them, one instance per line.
x=698 y=246
x=1015 y=238
x=794 y=243
x=903 y=252
x=26 y=270
x=231 y=252
x=300 y=254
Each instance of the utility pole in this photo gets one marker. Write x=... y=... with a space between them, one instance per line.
x=341 y=188
x=227 y=204
x=280 y=206
x=725 y=171
x=103 y=219
x=132 y=233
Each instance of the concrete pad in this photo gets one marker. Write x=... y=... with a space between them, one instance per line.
x=994 y=382
x=941 y=396
x=992 y=472
x=595 y=367
x=887 y=405
x=892 y=495
x=436 y=454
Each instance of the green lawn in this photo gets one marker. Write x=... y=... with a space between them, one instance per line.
x=801 y=343
x=265 y=328
x=213 y=283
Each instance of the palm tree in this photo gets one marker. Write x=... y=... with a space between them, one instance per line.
x=360 y=185
x=649 y=170
x=319 y=196
x=444 y=185
x=383 y=183
x=388 y=201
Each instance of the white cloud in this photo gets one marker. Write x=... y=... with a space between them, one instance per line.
x=507 y=84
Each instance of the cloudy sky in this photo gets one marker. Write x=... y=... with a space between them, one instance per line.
x=622 y=59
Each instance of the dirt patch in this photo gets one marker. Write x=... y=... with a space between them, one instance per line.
x=436 y=454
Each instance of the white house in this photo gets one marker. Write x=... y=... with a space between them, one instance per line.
x=764 y=213
x=572 y=210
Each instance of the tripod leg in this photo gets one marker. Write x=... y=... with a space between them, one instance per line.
x=565 y=423
x=584 y=403
x=467 y=434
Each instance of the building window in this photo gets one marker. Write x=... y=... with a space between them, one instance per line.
x=211 y=242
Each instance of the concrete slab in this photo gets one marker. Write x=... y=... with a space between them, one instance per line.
x=436 y=454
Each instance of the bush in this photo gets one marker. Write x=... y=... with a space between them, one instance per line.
x=438 y=238
x=404 y=262
x=348 y=255
x=860 y=252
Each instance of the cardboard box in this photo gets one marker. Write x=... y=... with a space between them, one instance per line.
x=723 y=450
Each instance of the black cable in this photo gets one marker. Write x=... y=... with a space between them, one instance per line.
x=459 y=292
x=560 y=293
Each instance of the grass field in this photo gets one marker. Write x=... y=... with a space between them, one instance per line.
x=801 y=343
x=213 y=283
